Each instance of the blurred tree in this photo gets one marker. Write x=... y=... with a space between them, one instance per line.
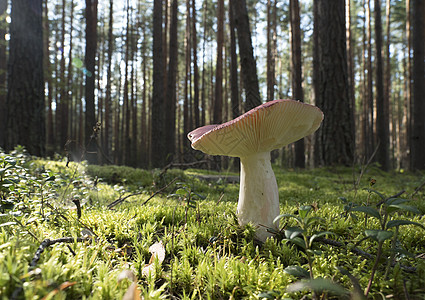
x=25 y=98
x=158 y=112
x=90 y=64
x=418 y=75
x=3 y=68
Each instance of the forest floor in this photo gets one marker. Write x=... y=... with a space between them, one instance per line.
x=71 y=231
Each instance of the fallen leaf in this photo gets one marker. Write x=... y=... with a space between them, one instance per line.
x=58 y=289
x=132 y=293
x=158 y=251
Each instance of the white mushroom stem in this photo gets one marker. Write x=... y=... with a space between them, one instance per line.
x=258 y=195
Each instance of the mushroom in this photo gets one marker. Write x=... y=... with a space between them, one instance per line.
x=251 y=137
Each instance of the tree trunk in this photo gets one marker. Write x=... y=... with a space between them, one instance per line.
x=418 y=76
x=246 y=53
x=157 y=127
x=271 y=49
x=334 y=139
x=218 y=95
x=170 y=114
x=297 y=89
x=108 y=100
x=90 y=63
x=234 y=92
x=382 y=121
x=3 y=70
x=50 y=139
x=195 y=68
x=25 y=97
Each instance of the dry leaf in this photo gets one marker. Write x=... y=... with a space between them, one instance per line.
x=132 y=292
x=126 y=274
x=58 y=289
x=158 y=251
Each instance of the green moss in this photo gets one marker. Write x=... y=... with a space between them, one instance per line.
x=208 y=256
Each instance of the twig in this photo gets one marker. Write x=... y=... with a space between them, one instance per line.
x=418 y=189
x=390 y=197
x=364 y=168
x=406 y=293
x=160 y=190
x=172 y=164
x=44 y=244
x=121 y=199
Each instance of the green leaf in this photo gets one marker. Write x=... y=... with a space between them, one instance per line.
x=298 y=241
x=318 y=285
x=396 y=223
x=297 y=271
x=367 y=210
x=7 y=224
x=198 y=195
x=403 y=207
x=293 y=232
x=304 y=210
x=314 y=220
x=394 y=201
x=269 y=295
x=285 y=216
x=181 y=192
x=379 y=235
x=319 y=234
x=377 y=193
x=51 y=178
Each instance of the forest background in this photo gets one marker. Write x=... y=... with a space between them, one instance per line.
x=123 y=82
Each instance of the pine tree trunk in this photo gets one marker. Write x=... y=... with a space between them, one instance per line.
x=3 y=71
x=170 y=114
x=246 y=53
x=218 y=94
x=108 y=100
x=382 y=121
x=418 y=75
x=25 y=97
x=334 y=139
x=90 y=63
x=297 y=89
x=195 y=68
x=157 y=127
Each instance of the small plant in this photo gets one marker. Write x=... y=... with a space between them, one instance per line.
x=185 y=193
x=386 y=212
x=304 y=236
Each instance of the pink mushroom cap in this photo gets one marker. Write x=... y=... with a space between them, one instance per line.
x=264 y=128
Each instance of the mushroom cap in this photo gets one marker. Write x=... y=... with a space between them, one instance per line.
x=264 y=128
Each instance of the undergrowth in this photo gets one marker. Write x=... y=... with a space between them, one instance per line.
x=330 y=245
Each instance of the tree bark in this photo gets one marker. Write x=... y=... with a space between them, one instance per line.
x=297 y=89
x=382 y=121
x=195 y=68
x=218 y=94
x=157 y=127
x=335 y=138
x=171 y=98
x=90 y=63
x=418 y=76
x=3 y=71
x=25 y=97
x=246 y=54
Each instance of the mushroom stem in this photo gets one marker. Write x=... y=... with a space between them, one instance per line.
x=258 y=195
